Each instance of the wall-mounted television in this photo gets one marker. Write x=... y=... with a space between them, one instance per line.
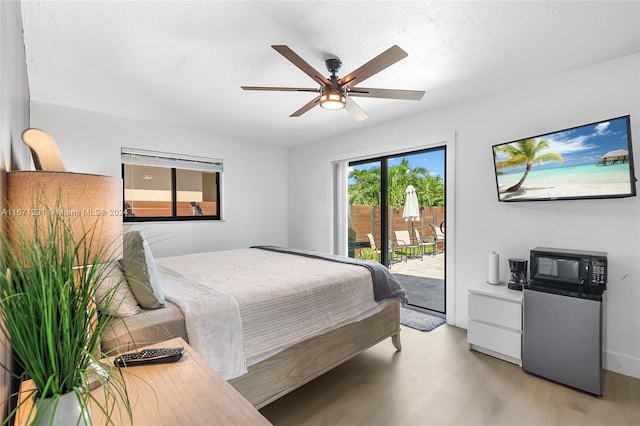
x=590 y=161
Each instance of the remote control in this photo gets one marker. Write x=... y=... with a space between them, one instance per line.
x=149 y=356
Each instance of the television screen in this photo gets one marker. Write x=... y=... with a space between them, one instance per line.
x=590 y=161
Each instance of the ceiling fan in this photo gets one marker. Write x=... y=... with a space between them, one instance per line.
x=336 y=93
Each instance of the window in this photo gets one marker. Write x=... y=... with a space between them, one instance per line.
x=161 y=186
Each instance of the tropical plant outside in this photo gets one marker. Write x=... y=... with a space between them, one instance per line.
x=48 y=280
x=367 y=253
x=525 y=152
x=365 y=186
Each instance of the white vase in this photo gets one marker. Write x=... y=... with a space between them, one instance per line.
x=67 y=410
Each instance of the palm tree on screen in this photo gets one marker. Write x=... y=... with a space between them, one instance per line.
x=525 y=152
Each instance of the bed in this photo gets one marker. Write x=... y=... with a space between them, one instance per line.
x=268 y=320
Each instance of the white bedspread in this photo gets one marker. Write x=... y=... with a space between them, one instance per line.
x=210 y=316
x=282 y=299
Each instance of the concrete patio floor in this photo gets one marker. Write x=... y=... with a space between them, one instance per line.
x=423 y=280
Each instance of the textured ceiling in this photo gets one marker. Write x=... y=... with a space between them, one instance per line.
x=183 y=63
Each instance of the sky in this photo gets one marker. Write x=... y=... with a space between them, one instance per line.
x=582 y=145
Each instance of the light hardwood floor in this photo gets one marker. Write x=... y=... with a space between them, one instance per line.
x=437 y=380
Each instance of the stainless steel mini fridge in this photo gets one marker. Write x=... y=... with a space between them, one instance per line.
x=562 y=337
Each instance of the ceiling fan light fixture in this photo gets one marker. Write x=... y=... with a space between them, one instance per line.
x=332 y=100
x=332 y=93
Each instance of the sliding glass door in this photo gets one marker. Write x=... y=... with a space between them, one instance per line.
x=396 y=217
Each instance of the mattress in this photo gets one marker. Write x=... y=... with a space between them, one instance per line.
x=282 y=299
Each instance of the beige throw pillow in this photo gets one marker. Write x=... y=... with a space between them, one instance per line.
x=140 y=270
x=113 y=295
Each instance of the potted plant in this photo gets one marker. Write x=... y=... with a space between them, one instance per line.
x=48 y=278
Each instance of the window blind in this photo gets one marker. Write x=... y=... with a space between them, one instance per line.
x=162 y=159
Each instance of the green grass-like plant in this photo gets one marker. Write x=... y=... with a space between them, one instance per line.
x=48 y=279
x=367 y=253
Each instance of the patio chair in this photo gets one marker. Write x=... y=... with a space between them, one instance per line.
x=403 y=242
x=423 y=243
x=391 y=260
x=438 y=237
x=372 y=243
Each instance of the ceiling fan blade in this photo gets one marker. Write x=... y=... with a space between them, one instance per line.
x=301 y=63
x=281 y=89
x=365 y=92
x=377 y=64
x=315 y=101
x=354 y=109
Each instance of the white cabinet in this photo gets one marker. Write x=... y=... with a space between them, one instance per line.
x=495 y=321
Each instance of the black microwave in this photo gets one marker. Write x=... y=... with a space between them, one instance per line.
x=587 y=269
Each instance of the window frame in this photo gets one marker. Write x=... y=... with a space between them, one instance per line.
x=173 y=162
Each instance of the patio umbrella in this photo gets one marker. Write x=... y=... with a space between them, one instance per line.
x=411 y=210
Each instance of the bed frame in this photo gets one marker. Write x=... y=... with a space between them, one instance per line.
x=278 y=375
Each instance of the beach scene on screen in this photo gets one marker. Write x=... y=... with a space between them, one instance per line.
x=587 y=161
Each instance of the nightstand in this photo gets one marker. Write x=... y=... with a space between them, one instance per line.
x=185 y=392
x=495 y=321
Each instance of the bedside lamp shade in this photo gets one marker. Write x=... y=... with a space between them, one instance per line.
x=90 y=204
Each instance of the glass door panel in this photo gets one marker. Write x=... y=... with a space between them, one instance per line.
x=416 y=198
x=365 y=213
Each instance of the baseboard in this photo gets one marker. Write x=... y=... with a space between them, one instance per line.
x=623 y=364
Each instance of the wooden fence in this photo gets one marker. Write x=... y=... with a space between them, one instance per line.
x=366 y=219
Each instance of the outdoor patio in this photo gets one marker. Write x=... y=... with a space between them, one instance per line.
x=423 y=280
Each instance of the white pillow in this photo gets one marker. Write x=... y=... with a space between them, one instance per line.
x=113 y=295
x=140 y=270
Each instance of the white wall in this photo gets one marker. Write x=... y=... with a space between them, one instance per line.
x=14 y=91
x=254 y=177
x=14 y=118
x=482 y=223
